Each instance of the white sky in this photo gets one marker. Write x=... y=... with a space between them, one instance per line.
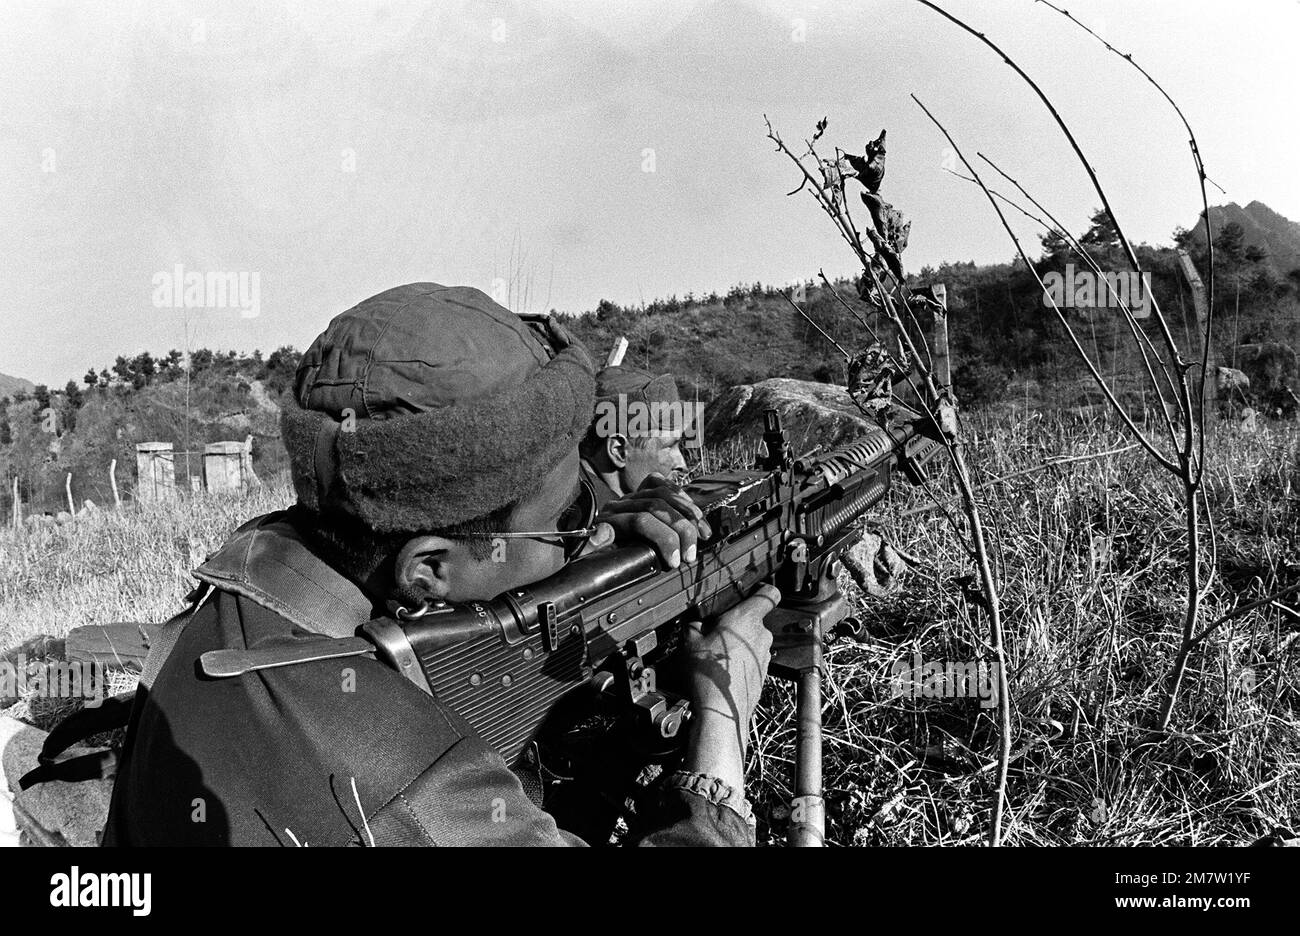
x=220 y=135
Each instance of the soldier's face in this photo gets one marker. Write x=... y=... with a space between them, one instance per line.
x=660 y=454
x=517 y=562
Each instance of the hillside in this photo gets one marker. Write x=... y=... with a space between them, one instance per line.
x=10 y=386
x=225 y=397
x=1001 y=332
x=1262 y=228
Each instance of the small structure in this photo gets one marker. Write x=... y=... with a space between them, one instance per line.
x=155 y=466
x=228 y=466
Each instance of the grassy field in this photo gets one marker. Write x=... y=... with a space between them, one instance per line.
x=1089 y=560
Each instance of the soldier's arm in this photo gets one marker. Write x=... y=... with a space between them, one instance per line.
x=470 y=797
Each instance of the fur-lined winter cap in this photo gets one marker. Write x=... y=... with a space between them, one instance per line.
x=457 y=408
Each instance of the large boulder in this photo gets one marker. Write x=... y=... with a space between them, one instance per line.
x=54 y=813
x=812 y=414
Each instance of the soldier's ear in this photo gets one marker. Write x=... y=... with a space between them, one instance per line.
x=616 y=450
x=427 y=565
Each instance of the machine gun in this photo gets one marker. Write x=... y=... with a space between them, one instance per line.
x=503 y=664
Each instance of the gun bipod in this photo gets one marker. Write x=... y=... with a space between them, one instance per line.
x=798 y=630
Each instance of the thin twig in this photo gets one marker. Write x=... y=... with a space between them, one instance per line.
x=1246 y=609
x=816 y=326
x=1201 y=179
x=1054 y=462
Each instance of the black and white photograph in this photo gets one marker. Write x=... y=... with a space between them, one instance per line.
x=615 y=423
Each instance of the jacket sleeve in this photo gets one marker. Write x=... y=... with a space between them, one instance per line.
x=470 y=797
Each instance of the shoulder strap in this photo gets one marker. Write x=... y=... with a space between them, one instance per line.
x=168 y=634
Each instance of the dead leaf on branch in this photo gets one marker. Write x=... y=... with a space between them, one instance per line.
x=889 y=223
x=870 y=170
x=833 y=174
x=868 y=293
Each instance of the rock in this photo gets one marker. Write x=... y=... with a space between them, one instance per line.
x=811 y=414
x=62 y=517
x=54 y=813
x=88 y=506
x=1229 y=379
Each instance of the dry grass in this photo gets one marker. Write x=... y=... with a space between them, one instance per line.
x=1088 y=556
x=128 y=565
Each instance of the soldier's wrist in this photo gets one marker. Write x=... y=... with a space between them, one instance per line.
x=715 y=790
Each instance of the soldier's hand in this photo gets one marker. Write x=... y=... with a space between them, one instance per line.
x=659 y=513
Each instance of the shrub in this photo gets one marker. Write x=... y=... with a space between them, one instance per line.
x=978 y=383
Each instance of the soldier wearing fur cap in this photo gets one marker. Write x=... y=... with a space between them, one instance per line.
x=431 y=425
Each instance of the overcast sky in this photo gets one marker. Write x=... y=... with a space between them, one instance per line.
x=577 y=149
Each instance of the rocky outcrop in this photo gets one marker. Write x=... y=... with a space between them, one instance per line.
x=811 y=413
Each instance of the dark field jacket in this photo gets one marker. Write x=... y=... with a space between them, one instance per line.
x=334 y=752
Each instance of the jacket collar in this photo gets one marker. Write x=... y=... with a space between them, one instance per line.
x=267 y=561
x=604 y=493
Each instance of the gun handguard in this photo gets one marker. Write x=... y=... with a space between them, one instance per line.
x=503 y=664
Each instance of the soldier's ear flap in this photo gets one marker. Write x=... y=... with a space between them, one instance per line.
x=425 y=566
x=616 y=450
